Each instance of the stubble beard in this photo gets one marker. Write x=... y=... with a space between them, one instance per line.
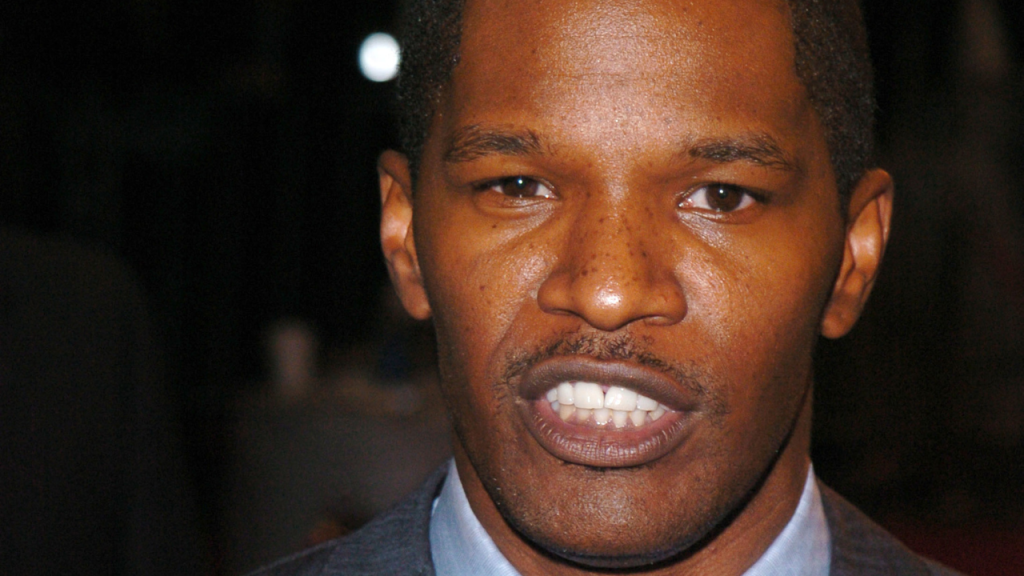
x=601 y=518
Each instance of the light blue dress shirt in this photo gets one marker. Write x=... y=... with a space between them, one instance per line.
x=460 y=546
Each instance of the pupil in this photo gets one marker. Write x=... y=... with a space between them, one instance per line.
x=518 y=187
x=726 y=198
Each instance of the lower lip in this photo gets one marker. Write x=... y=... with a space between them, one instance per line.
x=603 y=447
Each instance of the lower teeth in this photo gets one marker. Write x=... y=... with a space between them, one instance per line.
x=604 y=417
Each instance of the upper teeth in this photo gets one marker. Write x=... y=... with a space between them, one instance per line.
x=617 y=404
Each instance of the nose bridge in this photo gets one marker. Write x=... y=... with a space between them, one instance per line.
x=608 y=254
x=614 y=271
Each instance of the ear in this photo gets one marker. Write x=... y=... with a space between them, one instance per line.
x=396 y=234
x=867 y=233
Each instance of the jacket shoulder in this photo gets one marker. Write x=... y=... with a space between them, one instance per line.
x=397 y=543
x=861 y=547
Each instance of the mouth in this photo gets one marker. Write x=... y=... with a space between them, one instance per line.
x=601 y=405
x=604 y=414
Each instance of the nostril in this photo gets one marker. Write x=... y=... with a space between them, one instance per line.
x=662 y=320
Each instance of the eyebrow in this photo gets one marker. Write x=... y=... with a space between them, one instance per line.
x=472 y=142
x=759 y=148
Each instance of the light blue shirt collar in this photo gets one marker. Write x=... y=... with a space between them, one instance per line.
x=804 y=547
x=460 y=546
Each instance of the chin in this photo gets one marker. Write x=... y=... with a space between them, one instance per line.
x=643 y=541
x=626 y=561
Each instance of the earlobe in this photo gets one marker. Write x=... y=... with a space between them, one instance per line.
x=396 y=233
x=867 y=233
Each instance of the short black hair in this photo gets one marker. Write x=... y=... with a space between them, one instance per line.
x=429 y=38
x=831 y=59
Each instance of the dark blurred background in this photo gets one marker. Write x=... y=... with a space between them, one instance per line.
x=224 y=153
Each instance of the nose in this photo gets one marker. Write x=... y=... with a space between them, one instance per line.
x=615 y=269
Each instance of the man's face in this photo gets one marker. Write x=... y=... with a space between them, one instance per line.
x=629 y=200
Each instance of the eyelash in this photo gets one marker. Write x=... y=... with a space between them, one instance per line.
x=746 y=197
x=531 y=185
x=519 y=181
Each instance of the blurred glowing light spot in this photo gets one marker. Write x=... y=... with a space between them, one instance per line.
x=378 y=57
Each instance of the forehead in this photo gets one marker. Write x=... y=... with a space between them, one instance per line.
x=604 y=36
x=591 y=65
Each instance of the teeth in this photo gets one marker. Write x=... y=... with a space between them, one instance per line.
x=565 y=412
x=588 y=395
x=638 y=417
x=620 y=417
x=578 y=401
x=645 y=403
x=565 y=393
x=619 y=398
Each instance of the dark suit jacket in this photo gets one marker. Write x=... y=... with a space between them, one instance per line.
x=397 y=543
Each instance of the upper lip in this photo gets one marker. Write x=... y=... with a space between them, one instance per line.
x=654 y=384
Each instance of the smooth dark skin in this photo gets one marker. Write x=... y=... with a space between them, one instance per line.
x=623 y=111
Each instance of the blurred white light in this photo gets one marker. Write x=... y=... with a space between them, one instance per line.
x=378 y=57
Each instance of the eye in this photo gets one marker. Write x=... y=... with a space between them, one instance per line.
x=718 y=197
x=518 y=187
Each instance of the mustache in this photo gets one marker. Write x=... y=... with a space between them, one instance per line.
x=623 y=347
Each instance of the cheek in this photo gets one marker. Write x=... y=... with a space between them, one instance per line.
x=482 y=288
x=778 y=276
x=760 y=313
